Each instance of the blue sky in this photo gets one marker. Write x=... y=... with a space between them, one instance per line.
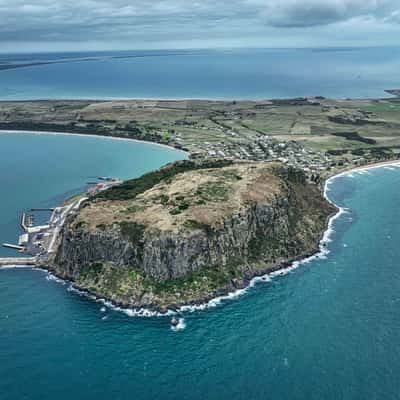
x=51 y=25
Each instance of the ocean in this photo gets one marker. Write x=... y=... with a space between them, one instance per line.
x=42 y=170
x=215 y=74
x=325 y=330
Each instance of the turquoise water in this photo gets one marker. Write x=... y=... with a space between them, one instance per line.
x=221 y=74
x=39 y=170
x=327 y=330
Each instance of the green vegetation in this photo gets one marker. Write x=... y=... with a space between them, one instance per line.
x=231 y=175
x=205 y=280
x=132 y=209
x=291 y=174
x=164 y=199
x=175 y=211
x=383 y=107
x=196 y=225
x=198 y=126
x=132 y=231
x=110 y=280
x=243 y=237
x=91 y=271
x=354 y=136
x=132 y=188
x=184 y=205
x=213 y=191
x=80 y=225
x=263 y=242
x=117 y=282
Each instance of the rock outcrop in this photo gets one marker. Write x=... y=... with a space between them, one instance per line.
x=193 y=235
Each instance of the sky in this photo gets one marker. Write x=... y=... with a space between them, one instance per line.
x=74 y=25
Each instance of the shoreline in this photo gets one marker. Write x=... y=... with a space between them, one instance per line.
x=384 y=96
x=378 y=164
x=110 y=137
x=289 y=266
x=229 y=293
x=212 y=301
x=220 y=295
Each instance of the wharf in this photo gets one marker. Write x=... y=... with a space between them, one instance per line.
x=17 y=261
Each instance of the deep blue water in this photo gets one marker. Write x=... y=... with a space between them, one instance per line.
x=220 y=74
x=328 y=330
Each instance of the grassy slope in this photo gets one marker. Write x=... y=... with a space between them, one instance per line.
x=129 y=284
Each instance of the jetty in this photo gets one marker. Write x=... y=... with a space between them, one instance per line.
x=17 y=261
x=38 y=242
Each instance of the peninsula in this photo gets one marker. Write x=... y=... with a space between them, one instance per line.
x=247 y=202
x=191 y=231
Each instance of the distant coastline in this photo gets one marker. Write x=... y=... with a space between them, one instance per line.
x=200 y=74
x=386 y=94
x=322 y=179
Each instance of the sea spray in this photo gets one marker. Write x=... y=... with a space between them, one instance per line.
x=180 y=326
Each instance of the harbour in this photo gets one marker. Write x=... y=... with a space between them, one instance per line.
x=38 y=242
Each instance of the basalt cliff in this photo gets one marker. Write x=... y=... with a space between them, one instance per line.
x=189 y=232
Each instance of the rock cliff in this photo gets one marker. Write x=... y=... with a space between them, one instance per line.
x=188 y=232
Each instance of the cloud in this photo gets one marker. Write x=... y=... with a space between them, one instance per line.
x=141 y=21
x=394 y=17
x=306 y=13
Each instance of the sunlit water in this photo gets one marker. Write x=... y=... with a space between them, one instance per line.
x=327 y=330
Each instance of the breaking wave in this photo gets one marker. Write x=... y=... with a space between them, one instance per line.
x=181 y=325
x=321 y=254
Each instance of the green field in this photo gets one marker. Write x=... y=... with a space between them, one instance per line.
x=319 y=124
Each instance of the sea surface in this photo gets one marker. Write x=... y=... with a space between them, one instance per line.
x=42 y=170
x=327 y=330
x=214 y=74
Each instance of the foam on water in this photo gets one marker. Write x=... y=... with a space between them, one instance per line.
x=181 y=325
x=144 y=312
x=322 y=254
x=51 y=277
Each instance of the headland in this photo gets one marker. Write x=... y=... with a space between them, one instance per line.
x=248 y=202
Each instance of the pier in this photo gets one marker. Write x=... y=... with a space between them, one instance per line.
x=17 y=261
x=14 y=246
x=40 y=241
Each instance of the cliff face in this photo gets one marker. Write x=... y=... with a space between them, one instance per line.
x=269 y=216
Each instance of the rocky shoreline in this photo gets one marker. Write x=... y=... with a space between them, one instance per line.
x=153 y=291
x=151 y=310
